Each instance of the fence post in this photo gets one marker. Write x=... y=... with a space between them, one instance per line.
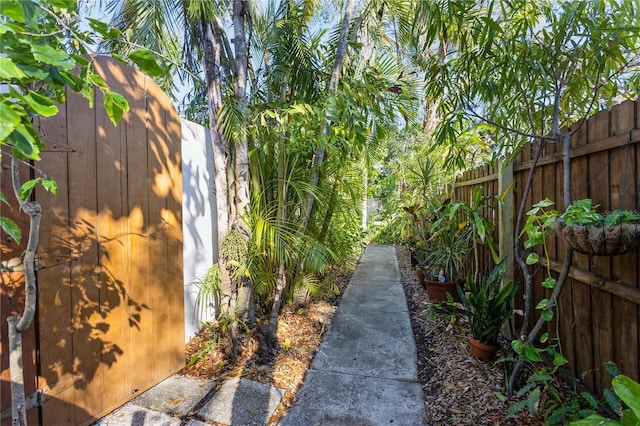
x=506 y=238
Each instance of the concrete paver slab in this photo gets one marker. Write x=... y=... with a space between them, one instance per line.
x=379 y=344
x=133 y=415
x=242 y=402
x=377 y=264
x=341 y=399
x=176 y=394
x=377 y=296
x=163 y=404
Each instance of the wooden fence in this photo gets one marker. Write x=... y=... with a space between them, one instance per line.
x=600 y=305
x=110 y=316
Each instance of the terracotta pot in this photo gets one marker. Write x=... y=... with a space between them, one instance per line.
x=437 y=291
x=481 y=351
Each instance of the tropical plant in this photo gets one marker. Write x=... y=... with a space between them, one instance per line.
x=583 y=212
x=488 y=304
x=447 y=256
x=628 y=391
x=208 y=299
x=471 y=215
x=526 y=71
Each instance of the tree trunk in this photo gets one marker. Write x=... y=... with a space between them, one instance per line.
x=241 y=151
x=281 y=283
x=528 y=281
x=19 y=324
x=531 y=337
x=221 y=154
x=241 y=64
x=18 y=407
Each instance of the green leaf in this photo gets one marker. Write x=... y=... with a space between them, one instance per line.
x=5 y=29
x=549 y=282
x=24 y=143
x=9 y=70
x=542 y=304
x=593 y=403
x=27 y=188
x=612 y=400
x=115 y=105
x=44 y=52
x=531 y=353
x=629 y=391
x=544 y=203
x=9 y=120
x=4 y=199
x=611 y=368
x=98 y=81
x=516 y=408
x=12 y=9
x=559 y=359
x=98 y=26
x=41 y=105
x=547 y=315
x=50 y=185
x=517 y=346
x=146 y=62
x=10 y=228
x=595 y=420
x=544 y=338
x=532 y=259
x=532 y=402
x=64 y=4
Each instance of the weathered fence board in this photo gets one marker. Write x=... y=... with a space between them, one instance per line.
x=599 y=308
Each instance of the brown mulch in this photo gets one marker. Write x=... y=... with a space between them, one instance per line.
x=458 y=389
x=299 y=334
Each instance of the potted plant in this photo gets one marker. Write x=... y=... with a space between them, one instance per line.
x=410 y=230
x=446 y=259
x=487 y=305
x=420 y=252
x=590 y=232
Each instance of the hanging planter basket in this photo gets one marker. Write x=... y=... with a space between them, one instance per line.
x=600 y=239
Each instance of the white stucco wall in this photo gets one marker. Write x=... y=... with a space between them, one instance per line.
x=198 y=216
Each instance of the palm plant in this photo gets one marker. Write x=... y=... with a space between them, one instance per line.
x=448 y=251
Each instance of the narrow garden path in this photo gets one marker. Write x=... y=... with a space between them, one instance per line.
x=365 y=371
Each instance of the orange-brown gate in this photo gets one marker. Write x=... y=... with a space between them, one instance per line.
x=110 y=289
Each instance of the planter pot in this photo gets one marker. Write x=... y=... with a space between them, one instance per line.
x=437 y=291
x=600 y=240
x=481 y=351
x=420 y=276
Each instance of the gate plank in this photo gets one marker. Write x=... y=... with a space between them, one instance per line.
x=112 y=229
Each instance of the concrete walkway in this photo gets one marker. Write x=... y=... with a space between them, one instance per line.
x=365 y=371
x=364 y=374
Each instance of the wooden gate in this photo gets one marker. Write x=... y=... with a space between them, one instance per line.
x=110 y=320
